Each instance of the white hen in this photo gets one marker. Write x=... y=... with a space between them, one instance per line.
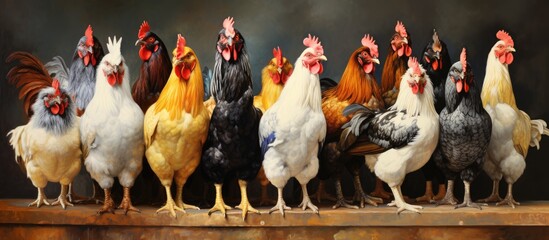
x=112 y=129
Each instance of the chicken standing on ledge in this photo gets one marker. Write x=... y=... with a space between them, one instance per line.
x=399 y=140
x=111 y=130
x=47 y=148
x=512 y=129
x=176 y=126
x=357 y=85
x=273 y=78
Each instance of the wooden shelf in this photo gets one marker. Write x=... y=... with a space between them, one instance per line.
x=531 y=219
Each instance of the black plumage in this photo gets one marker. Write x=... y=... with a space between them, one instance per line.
x=465 y=130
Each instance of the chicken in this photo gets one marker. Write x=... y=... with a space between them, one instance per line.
x=357 y=85
x=393 y=70
x=155 y=69
x=47 y=148
x=436 y=62
x=292 y=131
x=399 y=140
x=80 y=84
x=111 y=130
x=465 y=129
x=231 y=148
x=273 y=78
x=176 y=126
x=512 y=129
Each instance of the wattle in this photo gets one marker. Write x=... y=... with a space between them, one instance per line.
x=144 y=53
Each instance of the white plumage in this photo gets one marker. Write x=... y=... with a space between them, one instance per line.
x=112 y=128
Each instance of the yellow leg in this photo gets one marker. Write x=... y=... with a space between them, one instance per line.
x=170 y=205
x=219 y=203
x=62 y=199
x=245 y=205
x=41 y=199
x=179 y=199
x=127 y=202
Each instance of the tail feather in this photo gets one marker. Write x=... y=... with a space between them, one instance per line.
x=539 y=128
x=30 y=76
x=16 y=141
x=59 y=70
x=207 y=79
x=327 y=83
x=358 y=123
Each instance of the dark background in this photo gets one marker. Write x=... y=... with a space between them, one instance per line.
x=50 y=28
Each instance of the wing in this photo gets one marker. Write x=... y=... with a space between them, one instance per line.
x=149 y=126
x=18 y=141
x=58 y=69
x=267 y=127
x=522 y=133
x=393 y=129
x=30 y=76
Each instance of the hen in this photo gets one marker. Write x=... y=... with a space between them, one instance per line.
x=112 y=129
x=292 y=131
x=465 y=129
x=399 y=140
x=231 y=148
x=512 y=129
x=273 y=77
x=357 y=85
x=436 y=62
x=47 y=148
x=176 y=126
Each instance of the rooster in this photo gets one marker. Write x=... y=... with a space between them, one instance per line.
x=273 y=78
x=512 y=129
x=399 y=140
x=393 y=70
x=176 y=126
x=465 y=129
x=155 y=69
x=47 y=148
x=293 y=129
x=112 y=130
x=231 y=148
x=436 y=62
x=80 y=84
x=357 y=85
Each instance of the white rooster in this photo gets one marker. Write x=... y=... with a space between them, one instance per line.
x=292 y=131
x=399 y=140
x=512 y=129
x=112 y=129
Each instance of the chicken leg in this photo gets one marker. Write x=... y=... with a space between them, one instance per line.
x=245 y=205
x=108 y=203
x=219 y=203
x=170 y=206
x=400 y=203
x=341 y=202
x=126 y=203
x=441 y=192
x=179 y=199
x=62 y=199
x=321 y=193
x=467 y=198
x=280 y=204
x=428 y=196
x=449 y=198
x=306 y=203
x=494 y=197
x=509 y=200
x=41 y=199
x=361 y=196
x=379 y=191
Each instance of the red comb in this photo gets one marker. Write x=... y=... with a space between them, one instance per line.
x=277 y=53
x=143 y=30
x=401 y=29
x=228 y=25
x=463 y=60
x=181 y=42
x=312 y=42
x=89 y=36
x=55 y=85
x=412 y=63
x=502 y=35
x=368 y=41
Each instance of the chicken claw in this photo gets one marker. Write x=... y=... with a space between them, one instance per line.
x=41 y=199
x=62 y=199
x=108 y=203
x=306 y=203
x=126 y=203
x=219 y=203
x=245 y=205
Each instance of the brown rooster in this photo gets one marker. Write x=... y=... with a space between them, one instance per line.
x=395 y=66
x=357 y=85
x=273 y=78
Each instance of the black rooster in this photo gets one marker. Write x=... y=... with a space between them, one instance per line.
x=232 y=147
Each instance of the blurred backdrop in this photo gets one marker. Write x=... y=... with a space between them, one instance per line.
x=50 y=28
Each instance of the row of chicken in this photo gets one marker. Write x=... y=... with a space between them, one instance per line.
x=429 y=114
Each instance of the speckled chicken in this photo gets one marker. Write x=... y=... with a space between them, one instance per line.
x=465 y=130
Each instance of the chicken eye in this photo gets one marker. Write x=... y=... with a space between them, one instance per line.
x=150 y=39
x=237 y=38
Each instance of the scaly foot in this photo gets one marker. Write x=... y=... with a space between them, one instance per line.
x=306 y=203
x=468 y=203
x=509 y=201
x=280 y=206
x=363 y=198
x=220 y=206
x=41 y=199
x=246 y=207
x=405 y=206
x=321 y=193
x=379 y=192
x=428 y=197
x=492 y=198
x=449 y=199
x=171 y=208
x=62 y=200
x=126 y=204
x=108 y=206
x=183 y=205
x=343 y=203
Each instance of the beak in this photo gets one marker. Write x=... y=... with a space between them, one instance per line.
x=405 y=41
x=139 y=41
x=511 y=49
x=230 y=41
x=90 y=49
x=437 y=55
x=177 y=62
x=279 y=70
x=375 y=60
x=323 y=58
x=115 y=68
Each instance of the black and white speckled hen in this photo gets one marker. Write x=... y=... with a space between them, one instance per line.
x=232 y=148
x=465 y=130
